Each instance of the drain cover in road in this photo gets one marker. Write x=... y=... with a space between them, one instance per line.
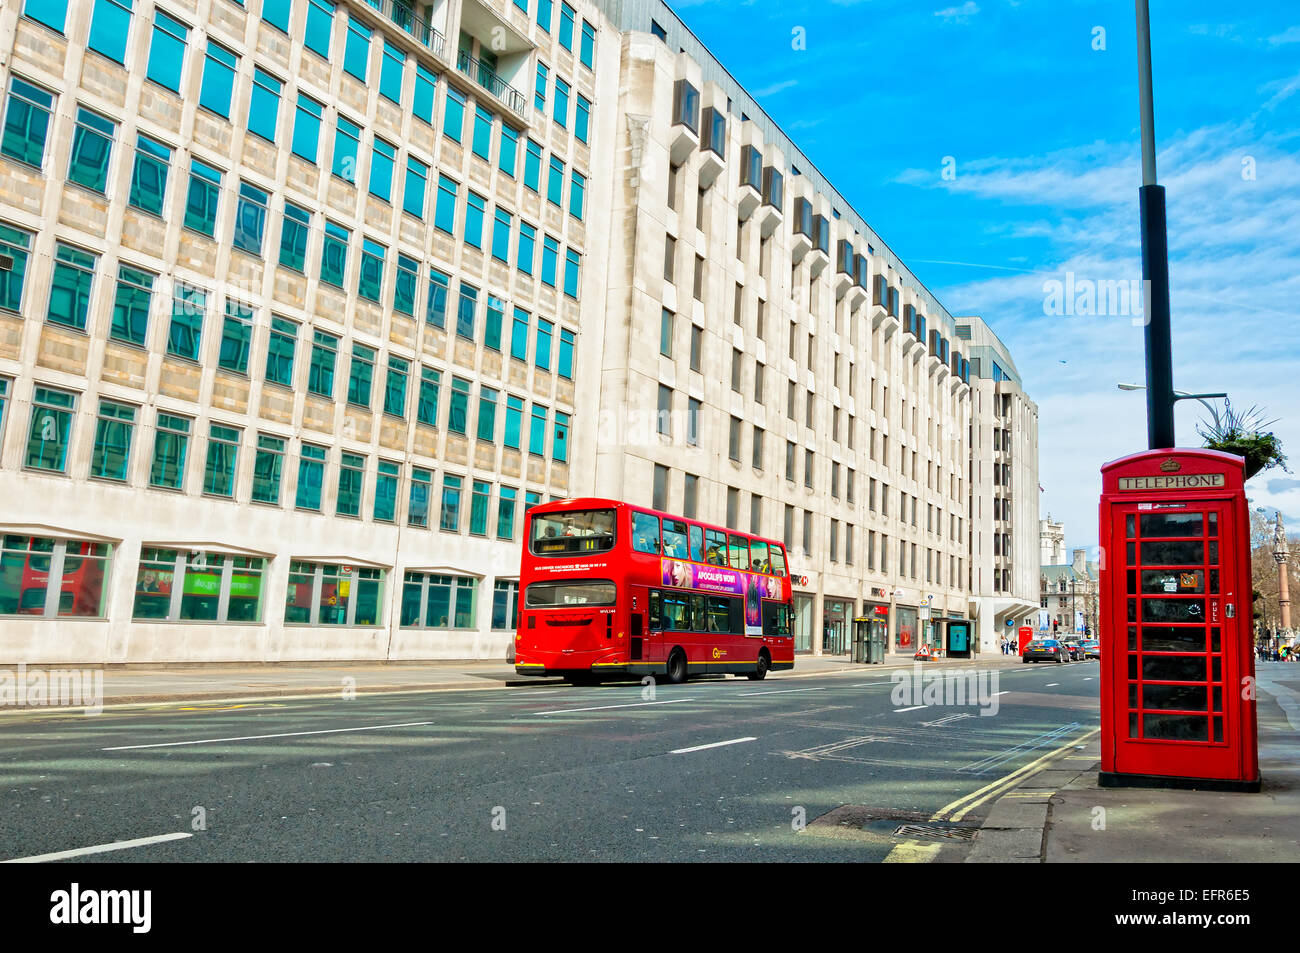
x=951 y=832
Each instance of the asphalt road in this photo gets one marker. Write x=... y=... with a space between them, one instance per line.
x=526 y=774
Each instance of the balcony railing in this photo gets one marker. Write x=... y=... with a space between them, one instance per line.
x=484 y=75
x=411 y=23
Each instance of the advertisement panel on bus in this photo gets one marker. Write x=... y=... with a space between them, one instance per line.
x=754 y=587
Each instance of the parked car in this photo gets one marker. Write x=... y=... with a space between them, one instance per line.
x=1092 y=649
x=1076 y=649
x=1046 y=650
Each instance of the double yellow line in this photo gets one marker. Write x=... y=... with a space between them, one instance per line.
x=914 y=852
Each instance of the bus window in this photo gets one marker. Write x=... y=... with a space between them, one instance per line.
x=737 y=607
x=674 y=612
x=697 y=544
x=573 y=531
x=674 y=539
x=739 y=552
x=778 y=561
x=715 y=547
x=656 y=622
x=699 y=615
x=547 y=595
x=776 y=618
x=758 y=555
x=719 y=614
x=645 y=533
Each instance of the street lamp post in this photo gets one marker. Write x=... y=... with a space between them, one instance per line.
x=1281 y=554
x=1155 y=257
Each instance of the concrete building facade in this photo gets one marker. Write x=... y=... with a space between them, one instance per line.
x=303 y=303
x=1004 y=488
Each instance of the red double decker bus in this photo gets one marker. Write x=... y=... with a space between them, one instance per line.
x=609 y=588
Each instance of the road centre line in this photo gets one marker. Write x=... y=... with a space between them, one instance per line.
x=567 y=711
x=716 y=744
x=99 y=849
x=285 y=734
x=913 y=708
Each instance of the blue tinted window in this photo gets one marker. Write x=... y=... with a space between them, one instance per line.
x=264 y=105
x=527 y=244
x=372 y=270
x=356 y=54
x=390 y=76
x=474 y=220
x=201 y=200
x=149 y=175
x=250 y=219
x=50 y=12
x=347 y=139
x=572 y=262
x=219 y=65
x=453 y=116
x=381 y=170
x=167 y=51
x=27 y=122
x=509 y=150
x=320 y=24
x=92 y=146
x=306 y=128
x=444 y=216
x=482 y=133
x=425 y=86
x=276 y=13
x=417 y=181
x=109 y=26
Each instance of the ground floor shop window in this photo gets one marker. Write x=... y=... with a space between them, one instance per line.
x=332 y=594
x=803 y=623
x=178 y=586
x=835 y=627
x=905 y=634
x=49 y=578
x=431 y=601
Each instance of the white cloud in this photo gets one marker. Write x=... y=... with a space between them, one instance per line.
x=775 y=88
x=961 y=14
x=1291 y=35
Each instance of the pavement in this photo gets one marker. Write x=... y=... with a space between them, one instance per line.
x=143 y=684
x=1061 y=815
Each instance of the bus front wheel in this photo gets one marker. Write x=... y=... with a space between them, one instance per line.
x=677 y=668
x=760 y=673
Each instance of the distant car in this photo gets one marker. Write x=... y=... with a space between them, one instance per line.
x=1046 y=650
x=1076 y=649
x=1092 y=649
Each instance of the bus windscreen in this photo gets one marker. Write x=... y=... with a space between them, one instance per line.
x=573 y=531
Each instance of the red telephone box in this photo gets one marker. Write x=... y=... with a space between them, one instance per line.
x=1025 y=636
x=1175 y=592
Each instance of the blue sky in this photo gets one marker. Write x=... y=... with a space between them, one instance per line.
x=1042 y=130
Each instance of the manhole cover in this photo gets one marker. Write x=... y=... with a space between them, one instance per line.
x=934 y=830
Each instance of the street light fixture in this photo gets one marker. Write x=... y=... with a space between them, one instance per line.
x=1181 y=395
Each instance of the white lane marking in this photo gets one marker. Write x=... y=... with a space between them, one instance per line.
x=996 y=694
x=99 y=849
x=1088 y=679
x=1052 y=685
x=567 y=711
x=913 y=708
x=783 y=691
x=285 y=734
x=716 y=744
